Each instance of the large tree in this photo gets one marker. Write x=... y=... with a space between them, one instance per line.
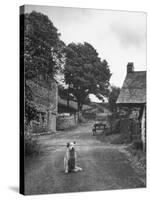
x=42 y=46
x=85 y=72
x=113 y=96
x=41 y=52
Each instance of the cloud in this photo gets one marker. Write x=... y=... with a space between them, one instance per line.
x=118 y=36
x=130 y=31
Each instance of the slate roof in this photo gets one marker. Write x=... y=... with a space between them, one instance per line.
x=133 y=89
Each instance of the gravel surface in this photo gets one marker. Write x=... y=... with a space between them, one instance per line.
x=105 y=166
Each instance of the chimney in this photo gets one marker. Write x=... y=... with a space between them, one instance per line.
x=130 y=67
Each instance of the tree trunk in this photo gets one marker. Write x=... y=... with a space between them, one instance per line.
x=79 y=107
x=80 y=112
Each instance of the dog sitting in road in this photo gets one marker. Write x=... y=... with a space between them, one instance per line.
x=70 y=159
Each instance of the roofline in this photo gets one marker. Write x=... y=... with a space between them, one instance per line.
x=139 y=71
x=131 y=104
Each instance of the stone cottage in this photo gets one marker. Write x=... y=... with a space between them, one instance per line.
x=45 y=100
x=132 y=104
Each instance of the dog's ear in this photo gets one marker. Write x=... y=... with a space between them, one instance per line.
x=74 y=142
x=68 y=144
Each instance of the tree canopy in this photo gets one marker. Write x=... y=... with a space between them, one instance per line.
x=41 y=52
x=42 y=46
x=85 y=72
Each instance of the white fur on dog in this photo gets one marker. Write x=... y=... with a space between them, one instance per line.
x=66 y=158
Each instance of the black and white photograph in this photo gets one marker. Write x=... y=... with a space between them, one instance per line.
x=82 y=99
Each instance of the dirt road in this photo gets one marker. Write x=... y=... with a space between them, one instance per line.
x=104 y=166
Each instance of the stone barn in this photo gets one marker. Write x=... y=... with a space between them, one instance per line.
x=132 y=105
x=45 y=100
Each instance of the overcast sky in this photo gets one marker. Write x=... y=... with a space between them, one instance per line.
x=118 y=36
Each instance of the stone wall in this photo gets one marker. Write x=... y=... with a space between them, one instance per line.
x=45 y=99
x=37 y=127
x=65 y=122
x=143 y=128
x=129 y=112
x=130 y=123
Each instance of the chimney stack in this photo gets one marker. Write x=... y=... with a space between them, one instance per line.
x=130 y=67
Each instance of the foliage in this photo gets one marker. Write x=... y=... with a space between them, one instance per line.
x=63 y=92
x=113 y=97
x=121 y=139
x=138 y=145
x=138 y=154
x=30 y=110
x=84 y=72
x=114 y=122
x=42 y=46
x=87 y=100
x=32 y=147
x=41 y=53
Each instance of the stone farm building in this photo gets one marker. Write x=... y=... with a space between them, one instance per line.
x=45 y=100
x=132 y=104
x=54 y=113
